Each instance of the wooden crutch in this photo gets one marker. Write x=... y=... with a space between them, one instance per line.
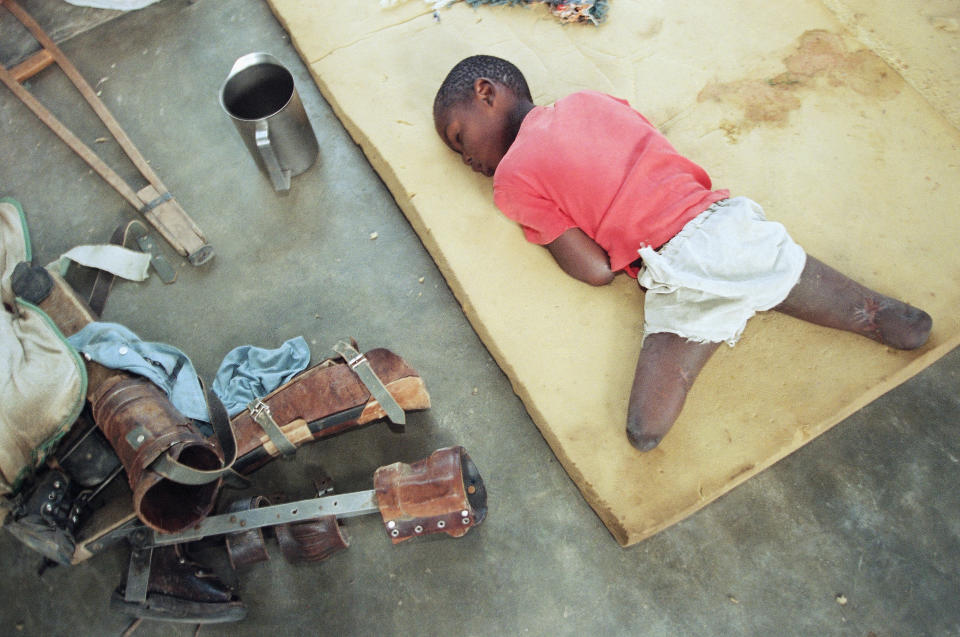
x=154 y=201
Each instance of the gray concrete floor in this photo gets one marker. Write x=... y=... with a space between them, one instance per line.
x=869 y=511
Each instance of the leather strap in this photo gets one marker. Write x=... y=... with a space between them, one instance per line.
x=104 y=280
x=127 y=235
x=260 y=412
x=361 y=367
x=174 y=470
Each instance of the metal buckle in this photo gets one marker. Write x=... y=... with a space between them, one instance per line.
x=260 y=412
x=257 y=407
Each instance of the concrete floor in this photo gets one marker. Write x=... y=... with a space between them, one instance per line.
x=868 y=513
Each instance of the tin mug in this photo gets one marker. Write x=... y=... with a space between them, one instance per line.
x=261 y=99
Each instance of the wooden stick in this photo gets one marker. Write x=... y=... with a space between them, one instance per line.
x=88 y=93
x=74 y=142
x=32 y=65
x=132 y=627
x=154 y=201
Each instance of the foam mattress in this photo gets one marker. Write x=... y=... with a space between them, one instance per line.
x=848 y=140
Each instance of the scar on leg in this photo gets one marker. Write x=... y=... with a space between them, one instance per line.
x=865 y=317
x=892 y=323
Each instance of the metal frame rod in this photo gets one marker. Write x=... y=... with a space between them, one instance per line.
x=344 y=505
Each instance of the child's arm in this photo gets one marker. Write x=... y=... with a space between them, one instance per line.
x=581 y=257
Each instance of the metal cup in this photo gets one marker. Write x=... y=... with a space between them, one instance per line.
x=260 y=97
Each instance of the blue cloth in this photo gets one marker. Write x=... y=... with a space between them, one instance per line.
x=116 y=347
x=249 y=372
x=257 y=371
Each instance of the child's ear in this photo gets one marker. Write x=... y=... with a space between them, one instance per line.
x=484 y=89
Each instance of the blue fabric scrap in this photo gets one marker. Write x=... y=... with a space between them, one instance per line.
x=114 y=346
x=246 y=372
x=249 y=372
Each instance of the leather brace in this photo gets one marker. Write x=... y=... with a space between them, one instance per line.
x=442 y=493
x=152 y=438
x=308 y=541
x=247 y=547
x=325 y=399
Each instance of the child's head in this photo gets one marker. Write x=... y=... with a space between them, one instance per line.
x=478 y=109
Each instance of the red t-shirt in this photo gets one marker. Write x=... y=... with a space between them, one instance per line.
x=590 y=161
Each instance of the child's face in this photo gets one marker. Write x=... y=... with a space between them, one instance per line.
x=479 y=131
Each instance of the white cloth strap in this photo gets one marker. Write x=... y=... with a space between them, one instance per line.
x=129 y=264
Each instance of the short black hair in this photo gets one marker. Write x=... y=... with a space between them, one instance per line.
x=458 y=85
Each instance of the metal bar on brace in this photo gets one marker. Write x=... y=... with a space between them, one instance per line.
x=344 y=505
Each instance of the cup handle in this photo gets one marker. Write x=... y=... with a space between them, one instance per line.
x=279 y=176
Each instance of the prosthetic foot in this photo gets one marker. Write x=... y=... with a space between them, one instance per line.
x=165 y=584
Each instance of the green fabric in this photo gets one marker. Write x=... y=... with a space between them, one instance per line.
x=43 y=384
x=23 y=225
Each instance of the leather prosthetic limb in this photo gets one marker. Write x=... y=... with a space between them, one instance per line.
x=138 y=421
x=142 y=425
x=443 y=493
x=327 y=399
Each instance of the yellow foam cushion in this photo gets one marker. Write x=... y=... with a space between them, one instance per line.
x=778 y=103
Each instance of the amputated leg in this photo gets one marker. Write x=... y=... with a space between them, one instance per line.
x=666 y=368
x=827 y=297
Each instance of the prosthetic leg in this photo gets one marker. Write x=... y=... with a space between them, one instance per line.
x=443 y=493
x=174 y=471
x=144 y=428
x=444 y=486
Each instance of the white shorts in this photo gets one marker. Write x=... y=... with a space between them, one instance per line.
x=724 y=266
